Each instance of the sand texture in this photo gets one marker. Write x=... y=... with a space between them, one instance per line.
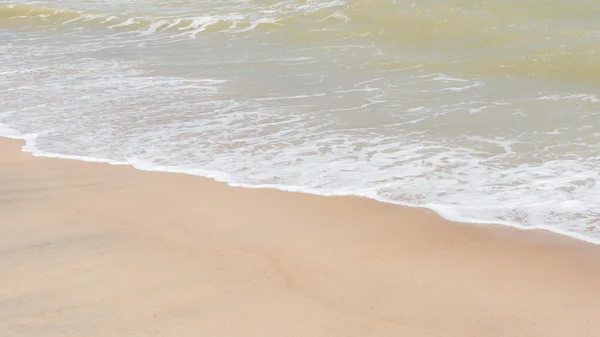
x=89 y=249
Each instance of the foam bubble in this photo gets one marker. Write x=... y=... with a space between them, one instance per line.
x=8 y=132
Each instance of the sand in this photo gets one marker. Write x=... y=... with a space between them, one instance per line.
x=89 y=249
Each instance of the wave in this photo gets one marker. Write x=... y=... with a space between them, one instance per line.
x=554 y=39
x=423 y=22
x=43 y=17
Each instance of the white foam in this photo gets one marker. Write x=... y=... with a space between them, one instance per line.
x=8 y=132
x=256 y=23
x=446 y=211
x=337 y=16
x=173 y=23
x=73 y=20
x=457 y=89
x=128 y=22
x=583 y=97
x=154 y=26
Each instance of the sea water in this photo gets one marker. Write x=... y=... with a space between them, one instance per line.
x=484 y=111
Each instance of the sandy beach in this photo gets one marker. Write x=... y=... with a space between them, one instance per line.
x=89 y=249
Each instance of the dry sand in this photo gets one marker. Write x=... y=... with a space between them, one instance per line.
x=89 y=249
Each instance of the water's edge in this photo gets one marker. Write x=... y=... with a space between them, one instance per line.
x=442 y=210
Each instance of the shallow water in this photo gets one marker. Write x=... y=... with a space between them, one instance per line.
x=485 y=111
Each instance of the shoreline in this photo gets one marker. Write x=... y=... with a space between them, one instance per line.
x=92 y=249
x=8 y=133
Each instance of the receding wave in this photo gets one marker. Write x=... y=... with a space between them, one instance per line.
x=485 y=111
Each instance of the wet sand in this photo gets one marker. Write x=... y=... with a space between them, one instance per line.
x=89 y=249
